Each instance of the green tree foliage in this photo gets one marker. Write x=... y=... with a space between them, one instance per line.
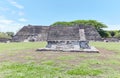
x=112 y=34
x=118 y=31
x=62 y=24
x=104 y=34
x=96 y=24
x=4 y=35
x=117 y=35
x=11 y=34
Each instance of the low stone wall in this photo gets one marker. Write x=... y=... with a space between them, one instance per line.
x=113 y=39
x=4 y=40
x=68 y=45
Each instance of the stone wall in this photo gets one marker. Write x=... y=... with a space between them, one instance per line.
x=112 y=39
x=57 y=33
x=4 y=40
x=32 y=33
x=67 y=45
x=91 y=33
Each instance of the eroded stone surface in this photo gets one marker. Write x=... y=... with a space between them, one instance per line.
x=67 y=39
x=40 y=33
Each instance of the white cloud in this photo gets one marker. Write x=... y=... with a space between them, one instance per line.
x=5 y=21
x=20 y=13
x=16 y=4
x=113 y=27
x=9 y=25
x=22 y=20
x=10 y=28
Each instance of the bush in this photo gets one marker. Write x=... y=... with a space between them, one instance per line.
x=4 y=35
x=117 y=35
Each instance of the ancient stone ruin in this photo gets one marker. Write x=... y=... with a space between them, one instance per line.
x=31 y=33
x=60 y=38
x=4 y=40
x=69 y=38
x=40 y=33
x=111 y=39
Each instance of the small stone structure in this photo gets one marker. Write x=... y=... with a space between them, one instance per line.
x=4 y=40
x=67 y=38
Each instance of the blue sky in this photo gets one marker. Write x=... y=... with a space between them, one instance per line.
x=14 y=14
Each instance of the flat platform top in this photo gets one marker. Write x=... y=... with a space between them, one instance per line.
x=63 y=33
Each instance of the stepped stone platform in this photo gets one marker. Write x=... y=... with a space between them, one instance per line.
x=67 y=39
x=60 y=38
x=40 y=33
x=90 y=50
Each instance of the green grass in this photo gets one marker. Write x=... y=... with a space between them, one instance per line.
x=13 y=47
x=30 y=70
x=93 y=62
x=114 y=46
x=20 y=46
x=52 y=65
x=85 y=71
x=48 y=62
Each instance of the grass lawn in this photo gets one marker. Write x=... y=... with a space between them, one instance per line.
x=20 y=60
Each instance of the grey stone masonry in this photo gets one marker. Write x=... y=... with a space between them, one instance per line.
x=71 y=39
x=40 y=33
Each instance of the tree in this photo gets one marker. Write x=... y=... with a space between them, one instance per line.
x=11 y=34
x=62 y=24
x=96 y=24
x=104 y=34
x=118 y=31
x=118 y=35
x=112 y=34
x=4 y=35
